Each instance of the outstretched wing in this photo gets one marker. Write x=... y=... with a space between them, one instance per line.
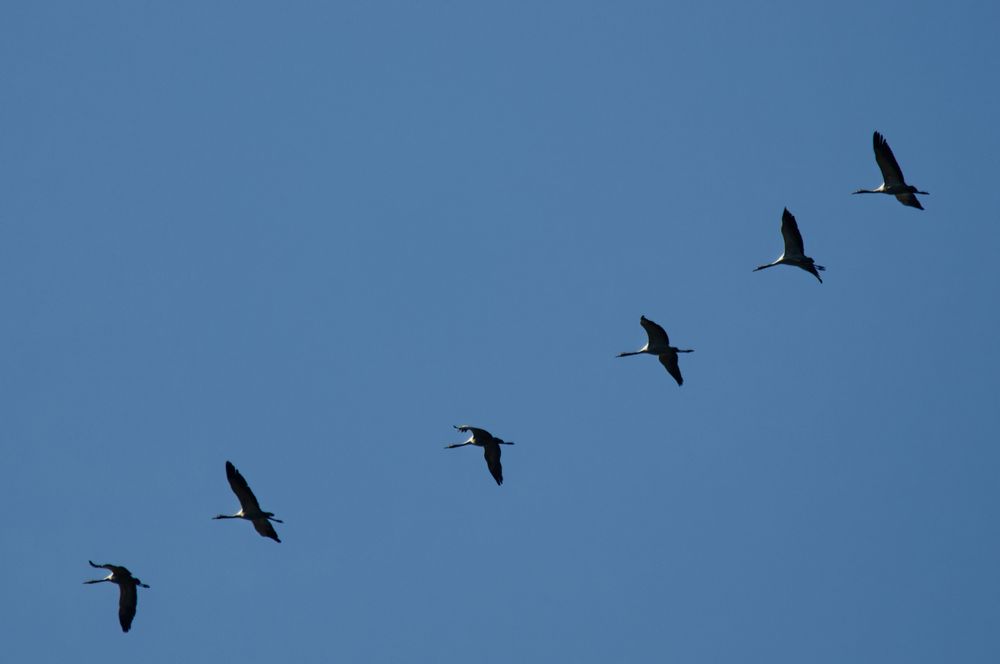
x=264 y=527
x=892 y=174
x=239 y=485
x=669 y=360
x=657 y=335
x=811 y=268
x=492 y=454
x=128 y=597
x=910 y=200
x=119 y=571
x=481 y=436
x=793 y=238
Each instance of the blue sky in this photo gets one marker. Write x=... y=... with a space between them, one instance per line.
x=311 y=238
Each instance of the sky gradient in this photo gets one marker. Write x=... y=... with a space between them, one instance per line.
x=310 y=238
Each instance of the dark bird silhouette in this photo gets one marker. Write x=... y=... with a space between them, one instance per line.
x=491 y=448
x=658 y=344
x=794 y=249
x=127 y=595
x=249 y=507
x=893 y=182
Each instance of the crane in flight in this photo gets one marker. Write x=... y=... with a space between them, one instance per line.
x=794 y=253
x=127 y=595
x=491 y=448
x=658 y=343
x=249 y=507
x=893 y=182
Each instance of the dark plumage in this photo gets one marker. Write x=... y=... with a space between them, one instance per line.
x=794 y=253
x=893 y=182
x=658 y=343
x=249 y=507
x=491 y=449
x=128 y=597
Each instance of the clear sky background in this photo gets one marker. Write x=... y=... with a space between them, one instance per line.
x=310 y=237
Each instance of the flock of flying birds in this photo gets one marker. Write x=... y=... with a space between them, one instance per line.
x=658 y=344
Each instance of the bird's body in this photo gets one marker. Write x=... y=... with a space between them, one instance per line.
x=249 y=507
x=893 y=182
x=658 y=344
x=491 y=448
x=127 y=595
x=794 y=253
